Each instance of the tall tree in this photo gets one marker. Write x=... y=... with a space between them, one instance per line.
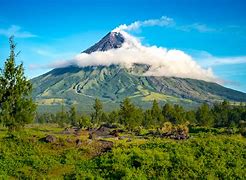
x=168 y=112
x=126 y=109
x=84 y=121
x=16 y=105
x=130 y=115
x=204 y=116
x=62 y=116
x=98 y=110
x=190 y=116
x=179 y=114
x=148 y=120
x=157 y=117
x=73 y=116
x=113 y=116
x=221 y=112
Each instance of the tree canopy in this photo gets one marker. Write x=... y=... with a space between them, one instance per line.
x=16 y=105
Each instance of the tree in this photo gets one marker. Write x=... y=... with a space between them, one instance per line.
x=221 y=112
x=190 y=116
x=148 y=120
x=73 y=116
x=84 y=121
x=98 y=110
x=130 y=115
x=16 y=105
x=104 y=117
x=136 y=119
x=62 y=116
x=204 y=116
x=113 y=116
x=179 y=114
x=168 y=112
x=126 y=109
x=157 y=117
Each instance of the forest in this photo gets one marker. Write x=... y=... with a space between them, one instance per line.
x=220 y=115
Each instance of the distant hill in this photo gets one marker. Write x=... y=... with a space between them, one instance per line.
x=81 y=85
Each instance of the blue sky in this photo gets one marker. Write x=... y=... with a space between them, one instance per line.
x=212 y=31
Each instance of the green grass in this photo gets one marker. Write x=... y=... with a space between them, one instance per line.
x=206 y=155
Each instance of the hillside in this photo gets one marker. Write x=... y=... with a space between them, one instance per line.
x=112 y=84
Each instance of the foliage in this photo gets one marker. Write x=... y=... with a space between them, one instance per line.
x=204 y=115
x=16 y=105
x=130 y=115
x=84 y=121
x=97 y=113
x=219 y=115
x=204 y=156
x=61 y=117
x=167 y=128
x=243 y=128
x=156 y=114
x=73 y=116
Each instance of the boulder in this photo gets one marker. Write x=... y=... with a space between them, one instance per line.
x=129 y=140
x=122 y=137
x=102 y=131
x=92 y=135
x=106 y=145
x=69 y=140
x=78 y=142
x=114 y=133
x=108 y=125
x=49 y=139
x=72 y=130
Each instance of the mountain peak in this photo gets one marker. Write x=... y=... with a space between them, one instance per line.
x=112 y=40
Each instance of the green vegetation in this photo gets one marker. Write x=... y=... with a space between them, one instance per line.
x=221 y=115
x=204 y=156
x=16 y=105
x=160 y=142
x=97 y=114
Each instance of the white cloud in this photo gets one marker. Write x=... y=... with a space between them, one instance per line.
x=163 y=62
x=208 y=60
x=197 y=27
x=44 y=53
x=17 y=32
x=163 y=21
x=49 y=52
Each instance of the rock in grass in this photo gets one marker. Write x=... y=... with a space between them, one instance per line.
x=92 y=135
x=69 y=140
x=129 y=140
x=49 y=139
x=78 y=142
x=106 y=145
x=114 y=133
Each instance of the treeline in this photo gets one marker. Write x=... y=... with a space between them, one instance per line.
x=219 y=115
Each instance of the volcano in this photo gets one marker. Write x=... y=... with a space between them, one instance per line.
x=111 y=84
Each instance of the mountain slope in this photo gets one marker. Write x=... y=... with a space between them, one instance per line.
x=111 y=84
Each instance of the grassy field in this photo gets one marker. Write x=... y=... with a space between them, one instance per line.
x=210 y=155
